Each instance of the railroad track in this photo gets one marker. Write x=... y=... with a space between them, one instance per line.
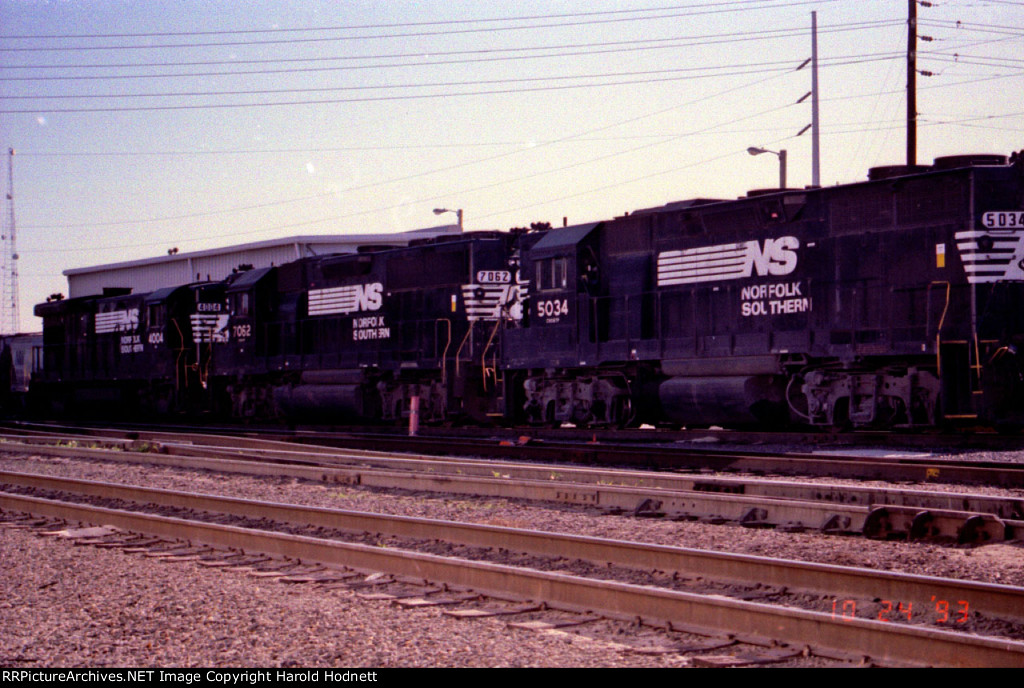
x=943 y=605
x=850 y=466
x=873 y=511
x=646 y=455
x=965 y=439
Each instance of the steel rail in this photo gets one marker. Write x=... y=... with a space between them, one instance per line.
x=860 y=468
x=752 y=510
x=976 y=439
x=835 y=581
x=880 y=641
x=226 y=447
x=1003 y=507
x=662 y=457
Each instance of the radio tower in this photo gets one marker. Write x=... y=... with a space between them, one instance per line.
x=9 y=312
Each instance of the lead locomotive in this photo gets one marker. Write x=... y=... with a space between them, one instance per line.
x=895 y=302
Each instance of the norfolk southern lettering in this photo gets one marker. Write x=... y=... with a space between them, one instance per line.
x=774 y=299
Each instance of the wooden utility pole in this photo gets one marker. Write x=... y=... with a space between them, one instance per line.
x=815 y=140
x=912 y=82
x=9 y=307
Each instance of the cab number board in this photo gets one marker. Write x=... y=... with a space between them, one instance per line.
x=553 y=309
x=1003 y=219
x=493 y=277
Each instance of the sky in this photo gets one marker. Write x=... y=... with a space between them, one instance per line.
x=145 y=125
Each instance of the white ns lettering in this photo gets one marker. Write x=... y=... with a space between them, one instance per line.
x=369 y=296
x=778 y=257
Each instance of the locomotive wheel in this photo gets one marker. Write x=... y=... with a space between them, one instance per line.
x=841 y=415
x=549 y=416
x=622 y=413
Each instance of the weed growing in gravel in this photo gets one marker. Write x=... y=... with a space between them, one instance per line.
x=76 y=444
x=144 y=448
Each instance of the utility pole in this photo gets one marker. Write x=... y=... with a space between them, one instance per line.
x=815 y=140
x=911 y=82
x=9 y=309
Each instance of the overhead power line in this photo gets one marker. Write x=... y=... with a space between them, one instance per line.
x=473 y=56
x=351 y=27
x=619 y=79
x=973 y=26
x=424 y=173
x=838 y=130
x=575 y=20
x=752 y=67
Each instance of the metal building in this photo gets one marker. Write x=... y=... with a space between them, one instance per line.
x=148 y=274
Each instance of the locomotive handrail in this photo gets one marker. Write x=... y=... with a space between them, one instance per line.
x=181 y=352
x=938 y=329
x=204 y=370
x=447 y=345
x=977 y=366
x=458 y=352
x=38 y=358
x=483 y=356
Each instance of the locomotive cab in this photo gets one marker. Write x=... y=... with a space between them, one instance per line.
x=572 y=326
x=209 y=326
x=168 y=333
x=240 y=383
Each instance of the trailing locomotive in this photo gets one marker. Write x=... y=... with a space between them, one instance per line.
x=16 y=364
x=362 y=335
x=326 y=338
x=895 y=302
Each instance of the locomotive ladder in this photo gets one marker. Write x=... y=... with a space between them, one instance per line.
x=491 y=374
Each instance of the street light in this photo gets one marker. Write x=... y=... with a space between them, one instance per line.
x=458 y=214
x=753 y=150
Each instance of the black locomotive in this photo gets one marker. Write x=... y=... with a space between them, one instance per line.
x=895 y=302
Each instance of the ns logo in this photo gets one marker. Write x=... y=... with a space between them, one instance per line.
x=352 y=298
x=778 y=257
x=368 y=296
x=770 y=257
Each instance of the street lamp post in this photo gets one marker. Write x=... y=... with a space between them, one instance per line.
x=753 y=150
x=458 y=214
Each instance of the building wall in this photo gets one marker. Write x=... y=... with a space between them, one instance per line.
x=145 y=275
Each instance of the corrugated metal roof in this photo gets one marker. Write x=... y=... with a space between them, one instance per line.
x=354 y=240
x=150 y=274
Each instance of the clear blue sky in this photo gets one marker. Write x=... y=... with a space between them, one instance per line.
x=142 y=125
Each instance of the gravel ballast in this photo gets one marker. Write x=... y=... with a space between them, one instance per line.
x=81 y=606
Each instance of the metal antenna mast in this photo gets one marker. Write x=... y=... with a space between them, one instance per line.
x=9 y=309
